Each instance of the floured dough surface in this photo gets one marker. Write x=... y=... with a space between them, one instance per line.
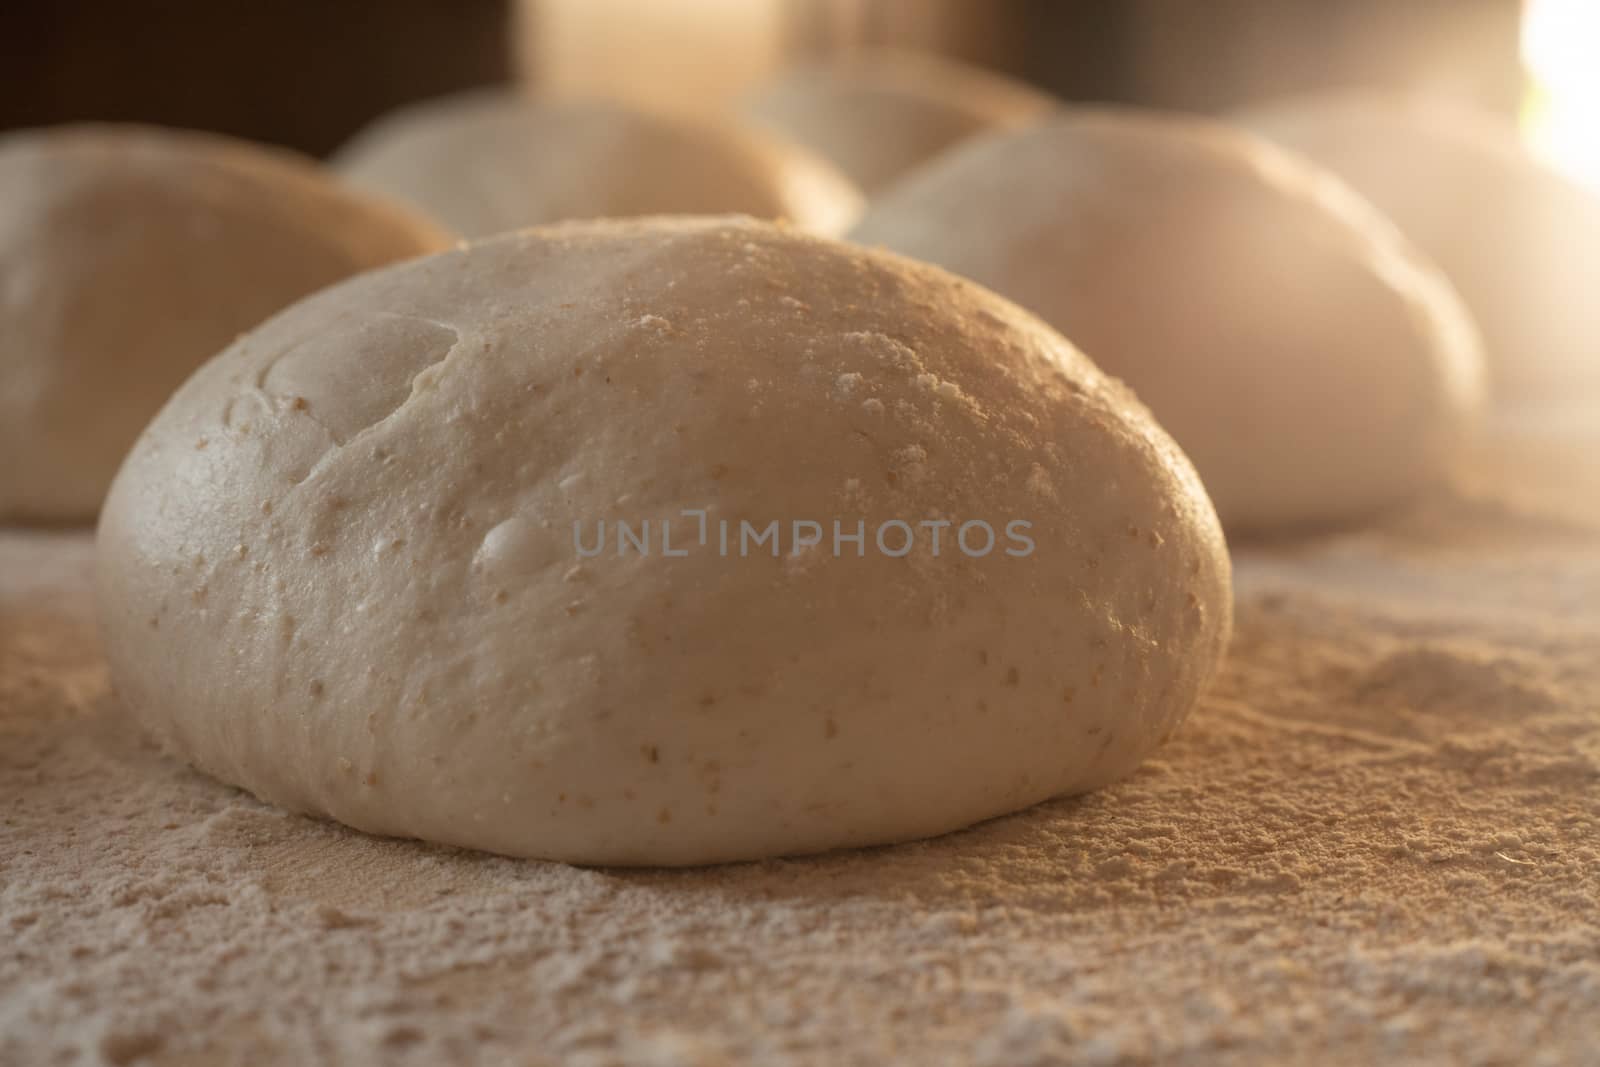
x=129 y=256
x=1377 y=840
x=489 y=161
x=363 y=596
x=1518 y=239
x=1309 y=361
x=878 y=114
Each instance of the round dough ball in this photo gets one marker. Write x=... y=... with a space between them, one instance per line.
x=878 y=114
x=380 y=592
x=491 y=161
x=1308 y=361
x=130 y=255
x=1519 y=240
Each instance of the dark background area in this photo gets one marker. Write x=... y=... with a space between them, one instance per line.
x=305 y=73
x=308 y=73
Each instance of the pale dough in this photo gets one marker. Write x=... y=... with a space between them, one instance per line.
x=1519 y=240
x=130 y=255
x=489 y=161
x=1309 y=361
x=878 y=114
x=340 y=570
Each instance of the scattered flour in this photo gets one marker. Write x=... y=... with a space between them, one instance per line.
x=1377 y=842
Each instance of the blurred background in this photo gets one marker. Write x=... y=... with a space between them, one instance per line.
x=308 y=73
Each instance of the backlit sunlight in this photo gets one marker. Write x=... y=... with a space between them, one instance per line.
x=1561 y=50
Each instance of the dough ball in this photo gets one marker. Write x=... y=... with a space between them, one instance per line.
x=879 y=114
x=380 y=592
x=1308 y=361
x=1519 y=240
x=491 y=161
x=129 y=256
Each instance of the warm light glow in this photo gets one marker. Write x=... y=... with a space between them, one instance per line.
x=1561 y=49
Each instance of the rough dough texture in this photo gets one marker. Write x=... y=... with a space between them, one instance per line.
x=129 y=256
x=879 y=114
x=490 y=161
x=361 y=596
x=1309 y=362
x=1519 y=240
